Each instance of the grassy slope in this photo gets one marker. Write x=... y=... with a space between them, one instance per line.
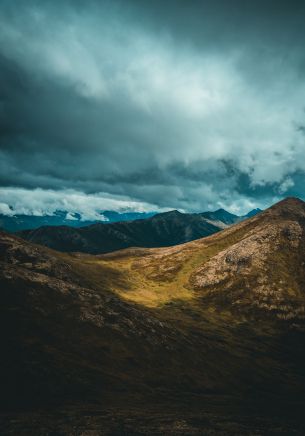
x=163 y=337
x=154 y=277
x=160 y=280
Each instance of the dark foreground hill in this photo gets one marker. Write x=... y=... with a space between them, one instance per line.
x=161 y=230
x=202 y=338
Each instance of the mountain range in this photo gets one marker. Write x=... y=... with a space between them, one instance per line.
x=18 y=222
x=206 y=337
x=161 y=230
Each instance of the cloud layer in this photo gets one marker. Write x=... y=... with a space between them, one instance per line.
x=167 y=105
x=40 y=202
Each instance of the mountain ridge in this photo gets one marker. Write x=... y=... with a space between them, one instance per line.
x=164 y=229
x=19 y=222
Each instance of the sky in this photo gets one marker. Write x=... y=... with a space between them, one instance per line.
x=151 y=105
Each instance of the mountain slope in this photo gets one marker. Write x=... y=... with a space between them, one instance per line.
x=253 y=265
x=161 y=230
x=205 y=326
x=169 y=228
x=221 y=215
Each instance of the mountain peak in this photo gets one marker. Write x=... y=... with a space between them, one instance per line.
x=289 y=203
x=222 y=210
x=168 y=214
x=253 y=212
x=290 y=207
x=221 y=215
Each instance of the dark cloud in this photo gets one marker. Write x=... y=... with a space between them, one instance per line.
x=176 y=104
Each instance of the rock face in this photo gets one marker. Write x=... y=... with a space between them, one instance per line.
x=222 y=315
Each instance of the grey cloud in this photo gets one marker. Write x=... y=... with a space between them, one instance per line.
x=177 y=104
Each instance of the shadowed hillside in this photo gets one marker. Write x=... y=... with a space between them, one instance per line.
x=162 y=230
x=205 y=331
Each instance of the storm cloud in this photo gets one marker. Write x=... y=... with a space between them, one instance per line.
x=189 y=105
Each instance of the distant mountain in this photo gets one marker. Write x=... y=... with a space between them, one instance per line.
x=21 y=222
x=161 y=230
x=171 y=341
x=17 y=223
x=227 y=217
x=221 y=215
x=253 y=212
